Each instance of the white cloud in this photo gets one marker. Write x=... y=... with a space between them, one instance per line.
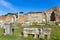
x=7 y=5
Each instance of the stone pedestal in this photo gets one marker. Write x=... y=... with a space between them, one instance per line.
x=8 y=28
x=25 y=35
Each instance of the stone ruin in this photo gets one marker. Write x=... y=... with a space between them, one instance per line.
x=41 y=33
x=33 y=31
x=44 y=32
x=8 y=28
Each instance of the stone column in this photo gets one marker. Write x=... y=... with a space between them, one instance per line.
x=18 y=17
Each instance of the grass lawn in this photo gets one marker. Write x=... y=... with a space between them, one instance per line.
x=55 y=33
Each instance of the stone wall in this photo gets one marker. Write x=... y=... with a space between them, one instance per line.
x=49 y=12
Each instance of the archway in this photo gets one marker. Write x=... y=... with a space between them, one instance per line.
x=52 y=17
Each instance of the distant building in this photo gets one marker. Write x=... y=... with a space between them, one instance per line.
x=7 y=19
x=36 y=17
x=53 y=15
x=49 y=16
x=10 y=18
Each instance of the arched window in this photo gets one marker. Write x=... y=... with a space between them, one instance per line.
x=52 y=17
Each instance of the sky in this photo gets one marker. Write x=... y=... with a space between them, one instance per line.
x=25 y=6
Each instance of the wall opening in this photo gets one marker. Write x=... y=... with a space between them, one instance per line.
x=52 y=17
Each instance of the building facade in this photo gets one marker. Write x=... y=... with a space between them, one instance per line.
x=31 y=17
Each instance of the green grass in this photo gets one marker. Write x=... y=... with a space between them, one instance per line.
x=55 y=33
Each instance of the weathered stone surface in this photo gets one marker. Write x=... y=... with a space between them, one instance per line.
x=45 y=32
x=35 y=31
x=50 y=15
x=7 y=28
x=30 y=31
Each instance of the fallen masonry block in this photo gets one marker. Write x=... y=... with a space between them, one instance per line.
x=42 y=32
x=45 y=32
x=32 y=31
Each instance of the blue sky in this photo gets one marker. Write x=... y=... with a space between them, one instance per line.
x=26 y=5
